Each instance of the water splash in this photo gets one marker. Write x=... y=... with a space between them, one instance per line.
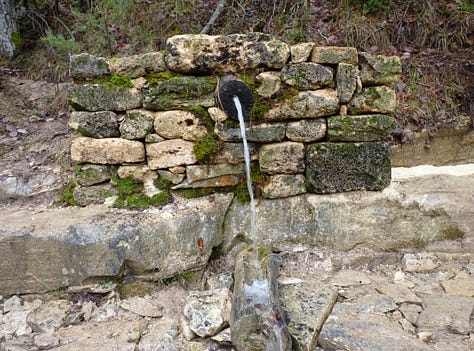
x=253 y=211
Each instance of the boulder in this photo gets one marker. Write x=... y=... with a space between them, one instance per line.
x=200 y=53
x=98 y=97
x=379 y=99
x=306 y=104
x=379 y=69
x=101 y=124
x=178 y=92
x=83 y=243
x=137 y=124
x=307 y=75
x=106 y=151
x=170 y=153
x=360 y=128
x=336 y=167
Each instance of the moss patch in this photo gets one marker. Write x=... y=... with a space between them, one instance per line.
x=206 y=148
x=67 y=197
x=132 y=197
x=179 y=278
x=258 y=179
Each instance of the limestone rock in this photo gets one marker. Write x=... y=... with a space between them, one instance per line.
x=145 y=307
x=106 y=151
x=398 y=292
x=160 y=335
x=45 y=341
x=461 y=284
x=350 y=277
x=170 y=153
x=346 y=81
x=200 y=172
x=178 y=92
x=284 y=185
x=349 y=331
x=83 y=66
x=307 y=75
x=179 y=124
x=301 y=52
x=138 y=65
x=334 y=55
x=199 y=53
x=379 y=69
x=153 y=138
x=101 y=124
x=49 y=317
x=286 y=158
x=366 y=166
x=270 y=84
x=306 y=130
x=217 y=182
x=208 y=312
x=420 y=262
x=216 y=114
x=90 y=174
x=161 y=241
x=446 y=313
x=233 y=153
x=261 y=133
x=94 y=194
x=307 y=306
x=380 y=99
x=410 y=311
x=137 y=124
x=306 y=104
x=360 y=128
x=174 y=178
x=97 y=97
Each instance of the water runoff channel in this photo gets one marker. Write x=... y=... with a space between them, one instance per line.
x=257 y=322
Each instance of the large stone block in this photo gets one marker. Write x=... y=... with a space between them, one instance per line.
x=306 y=104
x=89 y=174
x=379 y=99
x=138 y=65
x=84 y=66
x=379 y=69
x=102 y=124
x=176 y=124
x=106 y=151
x=285 y=158
x=360 y=128
x=199 y=53
x=308 y=75
x=334 y=55
x=335 y=167
x=261 y=133
x=170 y=153
x=178 y=92
x=97 y=97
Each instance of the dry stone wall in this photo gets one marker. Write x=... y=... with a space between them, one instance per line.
x=320 y=122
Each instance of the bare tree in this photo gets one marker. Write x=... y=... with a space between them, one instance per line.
x=6 y=29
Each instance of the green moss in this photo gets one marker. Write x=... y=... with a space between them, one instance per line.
x=163 y=183
x=157 y=77
x=131 y=196
x=206 y=148
x=17 y=40
x=179 y=278
x=67 y=197
x=259 y=109
x=110 y=81
x=453 y=233
x=160 y=199
x=137 y=289
x=120 y=81
x=258 y=179
x=128 y=186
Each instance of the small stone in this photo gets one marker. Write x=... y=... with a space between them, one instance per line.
x=284 y=185
x=195 y=173
x=233 y=153
x=222 y=337
x=144 y=307
x=270 y=84
x=425 y=336
x=174 y=178
x=379 y=69
x=177 y=169
x=360 y=128
x=102 y=124
x=286 y=158
x=306 y=130
x=399 y=293
x=186 y=330
x=90 y=174
x=307 y=75
x=224 y=280
x=85 y=66
x=260 y=133
x=49 y=317
x=349 y=277
x=177 y=124
x=301 y=52
x=217 y=114
x=153 y=138
x=410 y=311
x=346 y=81
x=420 y=262
x=343 y=110
x=12 y=303
x=379 y=99
x=462 y=284
x=94 y=194
x=137 y=124
x=138 y=65
x=46 y=341
x=106 y=151
x=139 y=83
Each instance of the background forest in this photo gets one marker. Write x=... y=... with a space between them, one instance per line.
x=433 y=38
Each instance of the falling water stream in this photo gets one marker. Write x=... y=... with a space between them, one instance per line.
x=259 y=291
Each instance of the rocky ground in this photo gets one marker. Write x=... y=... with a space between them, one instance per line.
x=409 y=299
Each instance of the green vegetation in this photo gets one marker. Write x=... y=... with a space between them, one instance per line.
x=206 y=148
x=179 y=278
x=132 y=197
x=67 y=197
x=258 y=180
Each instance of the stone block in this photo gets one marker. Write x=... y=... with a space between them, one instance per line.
x=101 y=124
x=334 y=55
x=346 y=81
x=301 y=52
x=170 y=153
x=306 y=104
x=234 y=153
x=270 y=84
x=360 y=128
x=285 y=158
x=178 y=92
x=97 y=97
x=284 y=185
x=95 y=194
x=380 y=99
x=336 y=167
x=262 y=133
x=308 y=75
x=106 y=151
x=138 y=65
x=306 y=130
x=84 y=66
x=195 y=173
x=137 y=124
x=199 y=53
x=379 y=69
x=90 y=174
x=177 y=124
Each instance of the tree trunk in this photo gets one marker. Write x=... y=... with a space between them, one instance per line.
x=6 y=29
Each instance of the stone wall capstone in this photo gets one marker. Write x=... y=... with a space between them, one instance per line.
x=320 y=123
